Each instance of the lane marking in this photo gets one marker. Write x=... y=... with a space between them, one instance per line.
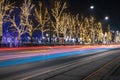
x=93 y=74
x=75 y=63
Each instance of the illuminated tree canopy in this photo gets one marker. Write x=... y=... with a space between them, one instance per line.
x=28 y=18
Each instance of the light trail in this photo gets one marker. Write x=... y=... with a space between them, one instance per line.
x=46 y=57
x=55 y=52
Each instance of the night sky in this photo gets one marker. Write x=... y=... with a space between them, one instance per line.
x=102 y=8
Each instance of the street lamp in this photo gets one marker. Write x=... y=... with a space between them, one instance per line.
x=91 y=7
x=106 y=17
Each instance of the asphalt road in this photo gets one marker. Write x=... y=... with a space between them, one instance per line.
x=72 y=67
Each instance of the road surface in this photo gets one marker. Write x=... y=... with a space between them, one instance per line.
x=58 y=63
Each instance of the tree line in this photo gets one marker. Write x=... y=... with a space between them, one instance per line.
x=53 y=21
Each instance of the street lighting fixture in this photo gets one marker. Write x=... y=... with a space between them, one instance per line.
x=92 y=7
x=106 y=17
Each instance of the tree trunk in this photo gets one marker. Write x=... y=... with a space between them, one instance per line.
x=19 y=40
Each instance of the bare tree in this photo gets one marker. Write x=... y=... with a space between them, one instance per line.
x=75 y=26
x=20 y=28
x=78 y=25
x=86 y=30
x=5 y=5
x=80 y=28
x=42 y=17
x=26 y=9
x=25 y=25
x=71 y=26
x=64 y=25
x=92 y=27
x=57 y=12
x=109 y=35
x=98 y=32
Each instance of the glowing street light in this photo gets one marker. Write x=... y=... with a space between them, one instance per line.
x=92 y=7
x=106 y=17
